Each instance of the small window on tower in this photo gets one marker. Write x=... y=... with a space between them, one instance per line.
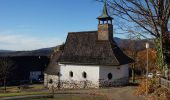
x=84 y=74
x=71 y=74
x=109 y=76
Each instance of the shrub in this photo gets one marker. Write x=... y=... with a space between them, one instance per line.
x=152 y=86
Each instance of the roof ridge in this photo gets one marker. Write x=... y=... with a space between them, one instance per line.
x=110 y=42
x=82 y=32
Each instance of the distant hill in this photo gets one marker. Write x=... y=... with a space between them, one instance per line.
x=39 y=52
x=5 y=51
x=122 y=43
x=139 y=44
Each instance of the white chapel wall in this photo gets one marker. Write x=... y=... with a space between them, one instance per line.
x=91 y=71
x=97 y=76
x=120 y=75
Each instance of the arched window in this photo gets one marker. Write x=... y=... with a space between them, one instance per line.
x=109 y=76
x=71 y=74
x=84 y=74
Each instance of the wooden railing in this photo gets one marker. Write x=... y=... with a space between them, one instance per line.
x=165 y=83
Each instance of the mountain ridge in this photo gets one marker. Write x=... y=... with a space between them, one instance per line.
x=122 y=43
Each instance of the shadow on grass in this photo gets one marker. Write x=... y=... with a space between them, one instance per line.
x=81 y=96
x=133 y=84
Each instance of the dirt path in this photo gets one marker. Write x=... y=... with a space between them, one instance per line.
x=125 y=93
x=119 y=93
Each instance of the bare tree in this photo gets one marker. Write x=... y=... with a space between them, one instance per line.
x=6 y=66
x=147 y=16
x=132 y=50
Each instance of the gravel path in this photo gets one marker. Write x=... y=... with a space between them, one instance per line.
x=125 y=93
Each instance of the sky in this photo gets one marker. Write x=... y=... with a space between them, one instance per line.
x=35 y=24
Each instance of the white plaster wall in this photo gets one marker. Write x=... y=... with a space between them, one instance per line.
x=95 y=74
x=92 y=73
x=125 y=70
x=117 y=72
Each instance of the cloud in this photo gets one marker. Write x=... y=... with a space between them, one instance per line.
x=23 y=42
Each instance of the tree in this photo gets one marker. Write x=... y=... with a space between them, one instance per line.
x=6 y=66
x=138 y=54
x=132 y=50
x=152 y=59
x=147 y=16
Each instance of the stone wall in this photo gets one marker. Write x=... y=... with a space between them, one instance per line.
x=50 y=81
x=96 y=76
x=64 y=84
x=105 y=31
x=119 y=82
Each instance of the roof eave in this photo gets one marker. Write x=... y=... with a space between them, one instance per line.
x=104 y=18
x=76 y=63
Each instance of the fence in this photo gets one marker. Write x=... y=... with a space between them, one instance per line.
x=165 y=83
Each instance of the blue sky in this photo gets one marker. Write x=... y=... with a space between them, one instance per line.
x=34 y=24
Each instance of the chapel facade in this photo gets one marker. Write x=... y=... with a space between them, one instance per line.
x=89 y=59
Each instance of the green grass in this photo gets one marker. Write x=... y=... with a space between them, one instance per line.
x=10 y=89
x=58 y=97
x=21 y=94
x=75 y=97
x=15 y=91
x=37 y=86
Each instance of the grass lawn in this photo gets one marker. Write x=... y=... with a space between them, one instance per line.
x=15 y=91
x=57 y=97
x=123 y=93
x=9 y=89
x=21 y=94
x=75 y=97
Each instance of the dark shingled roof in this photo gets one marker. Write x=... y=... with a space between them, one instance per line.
x=53 y=66
x=85 y=48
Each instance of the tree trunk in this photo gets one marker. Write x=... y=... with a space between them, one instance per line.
x=164 y=29
x=133 y=73
x=4 y=85
x=134 y=55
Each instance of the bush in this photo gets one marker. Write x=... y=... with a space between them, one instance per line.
x=152 y=86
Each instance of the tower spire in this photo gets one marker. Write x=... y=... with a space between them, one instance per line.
x=105 y=29
x=105 y=16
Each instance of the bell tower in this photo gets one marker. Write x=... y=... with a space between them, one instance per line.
x=105 y=27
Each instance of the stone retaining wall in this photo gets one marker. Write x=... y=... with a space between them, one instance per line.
x=62 y=84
